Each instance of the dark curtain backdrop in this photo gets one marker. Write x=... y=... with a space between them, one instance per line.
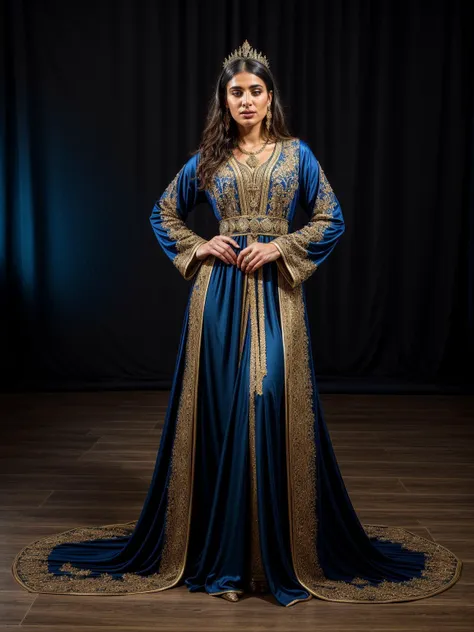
x=102 y=103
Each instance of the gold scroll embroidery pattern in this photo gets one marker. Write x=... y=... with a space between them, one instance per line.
x=224 y=191
x=284 y=180
x=265 y=192
x=300 y=439
x=295 y=263
x=442 y=570
x=253 y=184
x=30 y=567
x=187 y=241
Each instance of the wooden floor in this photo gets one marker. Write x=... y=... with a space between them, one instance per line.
x=86 y=459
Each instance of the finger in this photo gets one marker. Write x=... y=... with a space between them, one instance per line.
x=230 y=252
x=255 y=264
x=247 y=263
x=222 y=257
x=243 y=262
x=243 y=253
x=229 y=240
x=221 y=244
x=222 y=254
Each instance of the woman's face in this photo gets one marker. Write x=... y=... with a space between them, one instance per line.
x=247 y=93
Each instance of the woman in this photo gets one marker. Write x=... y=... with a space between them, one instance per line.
x=246 y=493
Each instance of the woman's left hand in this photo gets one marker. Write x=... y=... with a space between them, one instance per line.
x=254 y=256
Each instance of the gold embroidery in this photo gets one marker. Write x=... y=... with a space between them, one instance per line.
x=284 y=180
x=300 y=440
x=73 y=570
x=268 y=192
x=294 y=262
x=180 y=487
x=253 y=185
x=224 y=191
x=187 y=241
x=245 y=225
x=442 y=568
x=30 y=567
x=258 y=366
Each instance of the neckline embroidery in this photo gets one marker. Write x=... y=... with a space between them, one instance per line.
x=253 y=184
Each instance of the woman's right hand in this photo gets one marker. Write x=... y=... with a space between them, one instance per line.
x=219 y=246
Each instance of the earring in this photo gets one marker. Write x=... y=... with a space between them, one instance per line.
x=268 y=120
x=227 y=120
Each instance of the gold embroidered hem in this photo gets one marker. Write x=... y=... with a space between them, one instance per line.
x=30 y=567
x=442 y=570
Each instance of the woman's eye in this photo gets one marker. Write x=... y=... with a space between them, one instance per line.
x=239 y=94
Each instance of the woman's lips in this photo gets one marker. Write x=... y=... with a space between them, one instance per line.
x=248 y=114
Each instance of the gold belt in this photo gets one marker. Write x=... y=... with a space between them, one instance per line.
x=251 y=225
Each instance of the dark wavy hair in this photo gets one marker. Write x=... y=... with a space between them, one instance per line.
x=216 y=144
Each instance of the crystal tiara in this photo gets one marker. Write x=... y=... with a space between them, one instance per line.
x=246 y=52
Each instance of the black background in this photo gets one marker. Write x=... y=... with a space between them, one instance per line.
x=102 y=103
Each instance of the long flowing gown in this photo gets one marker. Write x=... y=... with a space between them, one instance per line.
x=246 y=485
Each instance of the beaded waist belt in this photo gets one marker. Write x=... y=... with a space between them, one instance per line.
x=250 y=225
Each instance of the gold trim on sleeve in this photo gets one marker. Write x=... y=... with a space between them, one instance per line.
x=294 y=246
x=187 y=241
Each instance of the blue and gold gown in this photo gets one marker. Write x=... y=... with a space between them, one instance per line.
x=246 y=485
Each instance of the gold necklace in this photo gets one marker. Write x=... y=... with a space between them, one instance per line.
x=252 y=160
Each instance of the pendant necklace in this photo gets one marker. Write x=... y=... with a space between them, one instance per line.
x=252 y=160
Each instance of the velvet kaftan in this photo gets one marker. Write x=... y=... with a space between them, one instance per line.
x=246 y=484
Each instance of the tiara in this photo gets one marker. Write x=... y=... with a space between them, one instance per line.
x=247 y=52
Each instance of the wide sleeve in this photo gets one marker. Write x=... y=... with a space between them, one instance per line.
x=304 y=250
x=169 y=215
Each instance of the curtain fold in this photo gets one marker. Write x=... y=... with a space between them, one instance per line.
x=102 y=103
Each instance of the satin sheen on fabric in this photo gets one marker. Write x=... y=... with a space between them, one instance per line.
x=246 y=484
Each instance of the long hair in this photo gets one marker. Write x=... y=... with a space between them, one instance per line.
x=216 y=144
